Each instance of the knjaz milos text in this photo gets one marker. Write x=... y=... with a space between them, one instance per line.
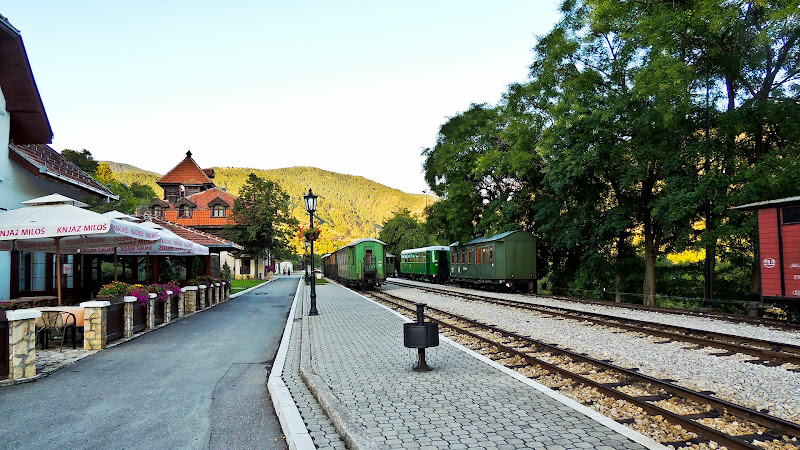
x=23 y=232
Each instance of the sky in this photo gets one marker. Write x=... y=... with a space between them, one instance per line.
x=355 y=87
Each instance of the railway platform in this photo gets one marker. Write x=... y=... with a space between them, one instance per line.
x=344 y=379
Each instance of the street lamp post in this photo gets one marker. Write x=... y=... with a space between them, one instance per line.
x=311 y=207
x=425 y=191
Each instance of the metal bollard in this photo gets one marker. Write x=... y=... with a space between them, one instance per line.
x=421 y=335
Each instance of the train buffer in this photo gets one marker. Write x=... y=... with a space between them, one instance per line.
x=421 y=335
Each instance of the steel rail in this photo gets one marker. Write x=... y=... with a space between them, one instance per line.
x=721 y=406
x=736 y=318
x=777 y=352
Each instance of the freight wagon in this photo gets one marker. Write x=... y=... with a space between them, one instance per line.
x=779 y=252
x=506 y=260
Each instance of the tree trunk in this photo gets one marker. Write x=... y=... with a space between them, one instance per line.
x=649 y=288
x=623 y=251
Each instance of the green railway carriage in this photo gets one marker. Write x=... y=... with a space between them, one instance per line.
x=361 y=263
x=328 y=265
x=506 y=260
x=426 y=263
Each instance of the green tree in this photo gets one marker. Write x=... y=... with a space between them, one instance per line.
x=262 y=218
x=83 y=159
x=403 y=231
x=481 y=168
x=132 y=198
x=741 y=62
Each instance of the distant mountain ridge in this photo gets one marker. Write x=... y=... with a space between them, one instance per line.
x=351 y=207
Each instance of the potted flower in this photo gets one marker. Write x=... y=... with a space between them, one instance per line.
x=141 y=293
x=160 y=290
x=206 y=279
x=309 y=234
x=114 y=291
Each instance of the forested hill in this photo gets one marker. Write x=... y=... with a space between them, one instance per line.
x=351 y=207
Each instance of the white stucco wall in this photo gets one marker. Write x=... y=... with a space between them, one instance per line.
x=5 y=257
x=18 y=185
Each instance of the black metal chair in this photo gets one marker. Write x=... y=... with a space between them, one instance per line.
x=55 y=325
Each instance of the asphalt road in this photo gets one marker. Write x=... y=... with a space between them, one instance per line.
x=197 y=383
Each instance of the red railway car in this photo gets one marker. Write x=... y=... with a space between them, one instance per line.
x=779 y=250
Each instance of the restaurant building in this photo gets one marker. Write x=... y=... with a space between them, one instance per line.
x=29 y=168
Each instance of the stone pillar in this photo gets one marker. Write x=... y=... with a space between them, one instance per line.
x=22 y=342
x=202 y=291
x=212 y=294
x=130 y=301
x=151 y=311
x=168 y=307
x=95 y=324
x=181 y=306
x=190 y=298
x=226 y=289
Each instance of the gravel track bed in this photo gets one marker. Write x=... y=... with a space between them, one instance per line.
x=709 y=324
x=773 y=389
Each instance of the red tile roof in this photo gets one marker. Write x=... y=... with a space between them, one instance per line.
x=40 y=160
x=187 y=172
x=201 y=199
x=209 y=240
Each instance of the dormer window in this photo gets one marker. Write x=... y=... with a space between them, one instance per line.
x=218 y=211
x=157 y=207
x=185 y=208
x=219 y=207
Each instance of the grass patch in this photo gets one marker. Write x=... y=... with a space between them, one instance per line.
x=240 y=285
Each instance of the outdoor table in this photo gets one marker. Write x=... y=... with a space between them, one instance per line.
x=75 y=310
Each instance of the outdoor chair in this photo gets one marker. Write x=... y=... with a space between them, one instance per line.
x=55 y=325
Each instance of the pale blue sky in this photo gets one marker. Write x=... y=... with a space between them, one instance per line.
x=354 y=87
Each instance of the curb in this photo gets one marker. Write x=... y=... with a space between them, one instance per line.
x=292 y=424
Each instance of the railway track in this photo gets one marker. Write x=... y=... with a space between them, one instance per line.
x=765 y=352
x=697 y=418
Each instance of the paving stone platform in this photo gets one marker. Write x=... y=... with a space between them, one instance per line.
x=344 y=379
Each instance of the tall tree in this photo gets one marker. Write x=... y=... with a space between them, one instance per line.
x=403 y=231
x=83 y=159
x=131 y=198
x=479 y=168
x=743 y=60
x=262 y=218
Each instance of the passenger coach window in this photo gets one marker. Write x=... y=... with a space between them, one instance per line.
x=491 y=257
x=469 y=257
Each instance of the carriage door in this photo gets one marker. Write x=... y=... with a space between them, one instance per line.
x=369 y=263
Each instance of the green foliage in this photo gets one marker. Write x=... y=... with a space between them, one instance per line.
x=403 y=231
x=225 y=272
x=82 y=159
x=131 y=198
x=639 y=122
x=262 y=220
